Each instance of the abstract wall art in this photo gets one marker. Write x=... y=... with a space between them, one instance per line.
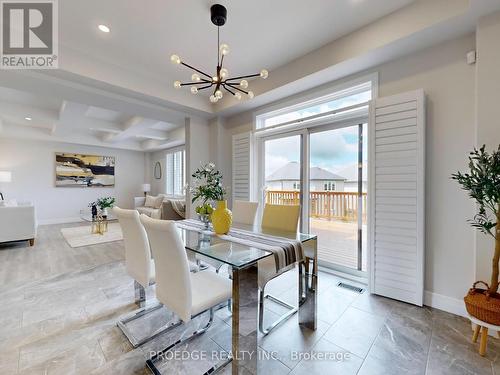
x=78 y=170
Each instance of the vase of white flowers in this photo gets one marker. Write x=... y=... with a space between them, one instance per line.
x=208 y=189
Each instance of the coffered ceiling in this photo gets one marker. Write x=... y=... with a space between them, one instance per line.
x=34 y=116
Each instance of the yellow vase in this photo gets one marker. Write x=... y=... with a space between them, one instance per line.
x=222 y=218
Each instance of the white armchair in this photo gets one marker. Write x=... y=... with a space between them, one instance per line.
x=18 y=223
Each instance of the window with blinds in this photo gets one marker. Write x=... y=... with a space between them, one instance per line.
x=175 y=174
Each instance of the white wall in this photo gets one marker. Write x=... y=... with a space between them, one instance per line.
x=487 y=116
x=159 y=186
x=449 y=84
x=197 y=151
x=33 y=178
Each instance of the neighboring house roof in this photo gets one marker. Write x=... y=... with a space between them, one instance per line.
x=351 y=172
x=291 y=172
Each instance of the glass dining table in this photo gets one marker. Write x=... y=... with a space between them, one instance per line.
x=243 y=260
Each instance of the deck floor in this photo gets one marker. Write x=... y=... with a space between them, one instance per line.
x=338 y=242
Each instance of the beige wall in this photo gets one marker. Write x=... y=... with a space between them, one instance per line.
x=488 y=115
x=449 y=84
x=197 y=151
x=32 y=164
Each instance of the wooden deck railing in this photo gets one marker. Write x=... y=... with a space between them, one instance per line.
x=324 y=204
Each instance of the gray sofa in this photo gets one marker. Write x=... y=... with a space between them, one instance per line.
x=166 y=211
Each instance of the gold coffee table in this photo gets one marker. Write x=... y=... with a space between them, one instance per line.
x=99 y=224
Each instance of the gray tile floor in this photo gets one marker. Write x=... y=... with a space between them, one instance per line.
x=60 y=306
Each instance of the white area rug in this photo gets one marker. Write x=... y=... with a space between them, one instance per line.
x=81 y=236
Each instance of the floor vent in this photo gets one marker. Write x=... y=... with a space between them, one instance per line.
x=352 y=288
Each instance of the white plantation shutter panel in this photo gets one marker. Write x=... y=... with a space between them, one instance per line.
x=177 y=173
x=397 y=197
x=242 y=150
x=169 y=174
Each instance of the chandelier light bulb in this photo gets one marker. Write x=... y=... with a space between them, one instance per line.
x=177 y=84
x=224 y=73
x=264 y=73
x=218 y=94
x=175 y=59
x=237 y=96
x=244 y=83
x=215 y=78
x=224 y=49
x=194 y=89
x=195 y=77
x=213 y=99
x=250 y=94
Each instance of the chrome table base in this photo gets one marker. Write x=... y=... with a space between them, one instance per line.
x=308 y=285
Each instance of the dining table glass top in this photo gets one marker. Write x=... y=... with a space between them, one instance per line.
x=234 y=254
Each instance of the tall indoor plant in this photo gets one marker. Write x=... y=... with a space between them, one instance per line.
x=208 y=188
x=483 y=185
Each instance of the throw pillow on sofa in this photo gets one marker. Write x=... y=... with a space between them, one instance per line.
x=153 y=202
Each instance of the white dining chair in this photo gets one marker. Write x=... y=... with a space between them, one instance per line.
x=140 y=266
x=275 y=219
x=184 y=293
x=244 y=212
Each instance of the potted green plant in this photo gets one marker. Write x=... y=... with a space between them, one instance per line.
x=482 y=182
x=208 y=189
x=105 y=203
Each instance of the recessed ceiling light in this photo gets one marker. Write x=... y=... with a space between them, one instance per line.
x=104 y=28
x=28 y=118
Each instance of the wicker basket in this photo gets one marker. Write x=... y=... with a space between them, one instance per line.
x=483 y=305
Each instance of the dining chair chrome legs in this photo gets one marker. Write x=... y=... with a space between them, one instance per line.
x=291 y=310
x=150 y=363
x=122 y=324
x=229 y=302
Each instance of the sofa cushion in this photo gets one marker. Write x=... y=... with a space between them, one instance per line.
x=153 y=213
x=153 y=202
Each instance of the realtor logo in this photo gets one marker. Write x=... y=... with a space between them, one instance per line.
x=29 y=34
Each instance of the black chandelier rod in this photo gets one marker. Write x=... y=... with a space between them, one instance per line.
x=197 y=70
x=247 y=76
x=223 y=85
x=205 y=87
x=196 y=83
x=232 y=85
x=219 y=63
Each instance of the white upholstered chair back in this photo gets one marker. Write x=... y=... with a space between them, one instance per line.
x=137 y=251
x=173 y=282
x=244 y=212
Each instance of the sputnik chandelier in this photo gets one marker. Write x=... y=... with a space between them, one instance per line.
x=202 y=81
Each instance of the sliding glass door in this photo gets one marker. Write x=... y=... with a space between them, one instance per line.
x=325 y=170
x=337 y=195
x=282 y=170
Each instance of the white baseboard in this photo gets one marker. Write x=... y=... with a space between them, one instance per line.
x=64 y=220
x=449 y=304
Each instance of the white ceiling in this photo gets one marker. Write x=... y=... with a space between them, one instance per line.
x=260 y=33
x=68 y=121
